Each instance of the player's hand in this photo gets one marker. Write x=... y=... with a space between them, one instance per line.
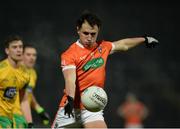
x=151 y=42
x=69 y=107
x=44 y=117
x=30 y=125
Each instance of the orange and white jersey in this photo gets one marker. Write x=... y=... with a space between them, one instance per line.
x=89 y=64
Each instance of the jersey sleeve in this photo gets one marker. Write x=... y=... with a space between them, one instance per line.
x=27 y=86
x=67 y=61
x=33 y=78
x=109 y=45
x=30 y=85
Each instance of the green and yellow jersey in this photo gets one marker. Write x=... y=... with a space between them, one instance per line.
x=31 y=85
x=19 y=121
x=11 y=81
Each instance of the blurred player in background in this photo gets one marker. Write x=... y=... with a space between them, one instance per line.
x=29 y=60
x=14 y=77
x=83 y=65
x=133 y=111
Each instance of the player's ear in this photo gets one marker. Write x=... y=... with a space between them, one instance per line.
x=7 y=51
x=77 y=29
x=99 y=29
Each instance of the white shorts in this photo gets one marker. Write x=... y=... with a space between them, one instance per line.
x=81 y=117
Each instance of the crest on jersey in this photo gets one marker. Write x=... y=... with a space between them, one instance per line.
x=100 y=49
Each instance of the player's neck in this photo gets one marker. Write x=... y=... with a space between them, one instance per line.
x=13 y=63
x=88 y=46
x=23 y=63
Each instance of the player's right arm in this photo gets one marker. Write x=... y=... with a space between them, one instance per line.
x=70 y=79
x=69 y=72
x=70 y=86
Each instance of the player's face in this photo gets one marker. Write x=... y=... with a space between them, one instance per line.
x=88 y=34
x=29 y=57
x=15 y=50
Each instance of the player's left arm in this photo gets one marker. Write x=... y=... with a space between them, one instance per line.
x=40 y=110
x=121 y=111
x=25 y=106
x=128 y=43
x=145 y=112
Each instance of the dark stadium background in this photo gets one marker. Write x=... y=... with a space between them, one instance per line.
x=153 y=74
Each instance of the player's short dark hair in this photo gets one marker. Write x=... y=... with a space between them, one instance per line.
x=27 y=45
x=91 y=18
x=12 y=38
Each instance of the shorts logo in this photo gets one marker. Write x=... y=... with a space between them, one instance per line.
x=94 y=64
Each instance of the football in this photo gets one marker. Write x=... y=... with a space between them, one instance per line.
x=94 y=98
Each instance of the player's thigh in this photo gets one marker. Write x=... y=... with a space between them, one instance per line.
x=93 y=119
x=95 y=124
x=19 y=121
x=5 y=122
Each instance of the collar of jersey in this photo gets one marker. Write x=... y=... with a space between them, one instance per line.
x=79 y=44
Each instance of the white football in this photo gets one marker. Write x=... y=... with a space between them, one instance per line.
x=94 y=98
